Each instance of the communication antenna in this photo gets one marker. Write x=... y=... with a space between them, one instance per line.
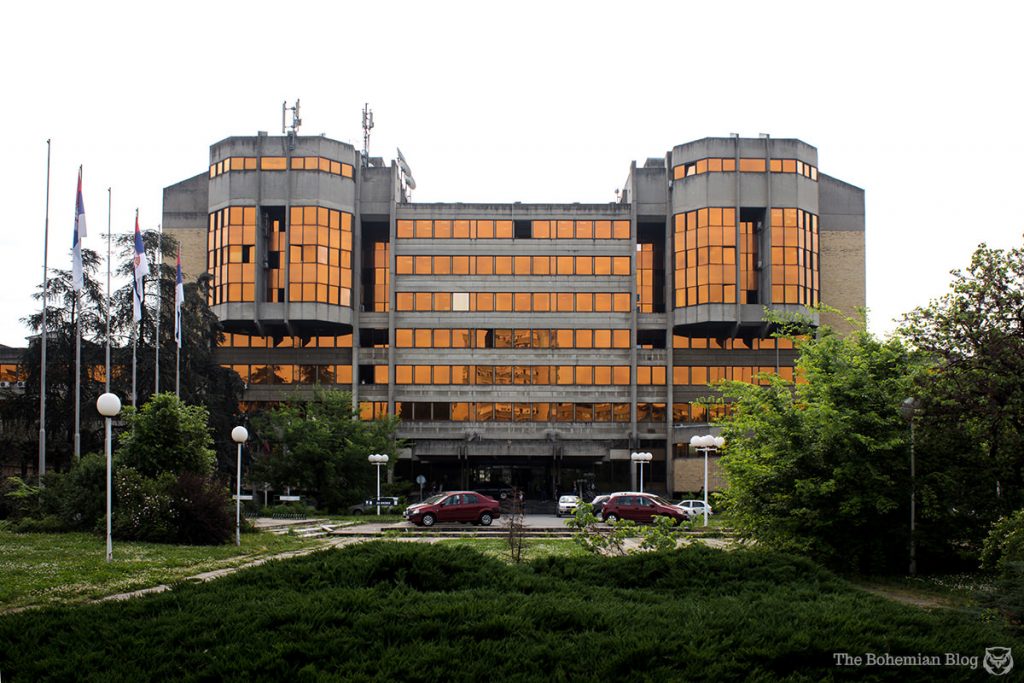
x=296 y=122
x=367 y=126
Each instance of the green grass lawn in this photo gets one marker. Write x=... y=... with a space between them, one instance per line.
x=39 y=569
x=398 y=611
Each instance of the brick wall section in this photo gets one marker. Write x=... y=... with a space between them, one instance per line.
x=843 y=279
x=193 y=251
x=689 y=474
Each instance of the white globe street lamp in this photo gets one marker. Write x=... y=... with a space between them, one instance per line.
x=239 y=435
x=706 y=443
x=108 y=406
x=640 y=459
x=378 y=459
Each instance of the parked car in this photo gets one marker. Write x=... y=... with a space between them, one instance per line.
x=369 y=506
x=454 y=506
x=640 y=507
x=695 y=508
x=496 y=492
x=567 y=505
x=597 y=504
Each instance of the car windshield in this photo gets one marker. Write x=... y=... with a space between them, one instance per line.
x=568 y=499
x=660 y=501
x=435 y=499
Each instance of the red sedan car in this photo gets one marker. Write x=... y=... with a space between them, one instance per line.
x=454 y=506
x=640 y=507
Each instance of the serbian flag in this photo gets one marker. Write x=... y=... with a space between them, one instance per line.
x=78 y=279
x=141 y=270
x=179 y=299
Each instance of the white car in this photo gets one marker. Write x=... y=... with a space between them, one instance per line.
x=567 y=505
x=694 y=508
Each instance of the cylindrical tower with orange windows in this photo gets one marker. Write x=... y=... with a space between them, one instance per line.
x=280 y=234
x=745 y=232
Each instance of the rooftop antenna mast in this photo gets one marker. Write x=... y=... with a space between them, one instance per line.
x=296 y=122
x=367 y=127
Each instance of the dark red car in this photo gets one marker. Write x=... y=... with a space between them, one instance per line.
x=640 y=507
x=454 y=506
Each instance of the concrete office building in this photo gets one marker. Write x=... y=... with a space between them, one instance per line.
x=532 y=344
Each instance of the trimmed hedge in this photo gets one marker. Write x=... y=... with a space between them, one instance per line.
x=417 y=612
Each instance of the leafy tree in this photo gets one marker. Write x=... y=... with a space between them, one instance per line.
x=166 y=435
x=20 y=411
x=203 y=381
x=973 y=394
x=822 y=467
x=165 y=485
x=320 y=448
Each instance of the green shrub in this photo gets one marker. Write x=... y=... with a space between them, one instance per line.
x=143 y=507
x=1007 y=596
x=18 y=499
x=439 y=613
x=204 y=514
x=288 y=511
x=166 y=435
x=47 y=524
x=1005 y=542
x=79 y=497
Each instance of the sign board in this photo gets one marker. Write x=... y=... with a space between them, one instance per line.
x=242 y=497
x=421 y=480
x=288 y=499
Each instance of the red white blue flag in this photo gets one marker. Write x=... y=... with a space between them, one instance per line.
x=141 y=265
x=179 y=299
x=78 y=279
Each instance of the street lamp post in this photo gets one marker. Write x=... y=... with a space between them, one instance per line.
x=706 y=443
x=908 y=408
x=378 y=459
x=108 y=406
x=239 y=435
x=640 y=459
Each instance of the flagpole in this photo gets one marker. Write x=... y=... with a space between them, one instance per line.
x=78 y=329
x=107 y=372
x=159 y=301
x=179 y=300
x=136 y=302
x=134 y=344
x=78 y=374
x=42 y=378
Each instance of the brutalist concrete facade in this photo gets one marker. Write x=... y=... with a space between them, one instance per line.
x=477 y=361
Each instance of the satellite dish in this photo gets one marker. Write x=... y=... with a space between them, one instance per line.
x=403 y=166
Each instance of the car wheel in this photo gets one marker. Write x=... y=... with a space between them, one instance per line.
x=428 y=519
x=486 y=519
x=612 y=518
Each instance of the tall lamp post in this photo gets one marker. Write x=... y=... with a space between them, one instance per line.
x=108 y=406
x=239 y=435
x=909 y=408
x=706 y=443
x=378 y=459
x=640 y=459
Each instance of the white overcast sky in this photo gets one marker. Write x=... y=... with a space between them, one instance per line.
x=917 y=103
